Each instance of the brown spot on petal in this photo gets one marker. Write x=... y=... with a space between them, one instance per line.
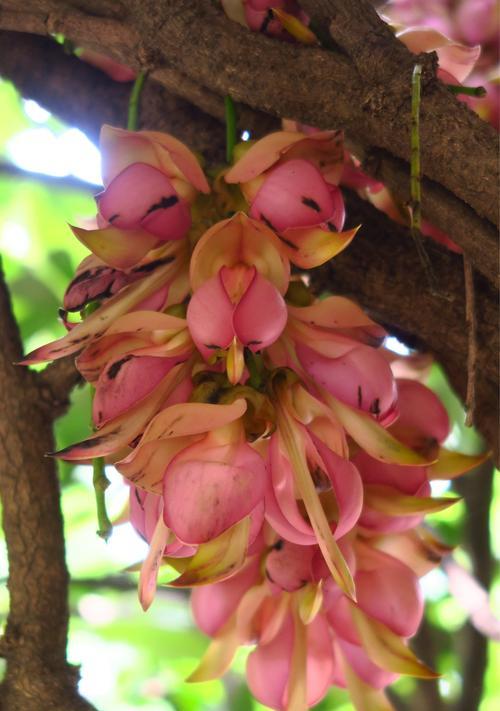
x=115 y=368
x=309 y=202
x=163 y=204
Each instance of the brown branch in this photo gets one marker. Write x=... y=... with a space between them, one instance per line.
x=470 y=322
x=477 y=490
x=375 y=268
x=192 y=39
x=34 y=644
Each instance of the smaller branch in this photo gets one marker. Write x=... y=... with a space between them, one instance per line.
x=56 y=383
x=470 y=320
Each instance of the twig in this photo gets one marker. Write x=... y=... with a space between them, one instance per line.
x=470 y=320
x=416 y=177
x=134 y=102
x=230 y=115
x=101 y=483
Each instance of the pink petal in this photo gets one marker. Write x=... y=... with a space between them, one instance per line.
x=124 y=382
x=261 y=315
x=289 y=565
x=376 y=521
x=150 y=567
x=362 y=378
x=421 y=412
x=262 y=155
x=95 y=283
x=388 y=590
x=338 y=214
x=144 y=196
x=183 y=158
x=207 y=491
x=210 y=317
x=347 y=487
x=293 y=194
x=212 y=605
x=269 y=666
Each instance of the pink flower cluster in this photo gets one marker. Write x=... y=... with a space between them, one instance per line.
x=274 y=461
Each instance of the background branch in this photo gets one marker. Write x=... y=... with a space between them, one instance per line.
x=34 y=643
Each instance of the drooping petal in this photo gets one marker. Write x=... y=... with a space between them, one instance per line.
x=149 y=569
x=261 y=315
x=387 y=500
x=118 y=248
x=366 y=670
x=210 y=317
x=452 y=464
x=294 y=194
x=206 y=491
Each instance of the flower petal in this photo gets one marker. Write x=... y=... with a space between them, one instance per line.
x=204 y=497
x=149 y=569
x=118 y=248
x=309 y=247
x=210 y=317
x=261 y=315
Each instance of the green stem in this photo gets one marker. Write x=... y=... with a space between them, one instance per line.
x=416 y=178
x=101 y=483
x=230 y=128
x=478 y=91
x=133 y=104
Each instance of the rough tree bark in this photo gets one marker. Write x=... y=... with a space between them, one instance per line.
x=34 y=643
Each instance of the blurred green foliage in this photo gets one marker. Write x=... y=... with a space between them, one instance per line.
x=131 y=660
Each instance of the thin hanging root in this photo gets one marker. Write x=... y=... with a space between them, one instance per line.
x=134 y=102
x=415 y=181
x=101 y=483
x=470 y=320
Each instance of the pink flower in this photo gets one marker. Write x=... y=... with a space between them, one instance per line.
x=290 y=181
x=150 y=180
x=196 y=455
x=238 y=275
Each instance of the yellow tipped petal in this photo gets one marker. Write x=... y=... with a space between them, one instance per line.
x=376 y=441
x=297 y=683
x=219 y=655
x=390 y=501
x=363 y=696
x=235 y=362
x=295 y=27
x=217 y=559
x=453 y=464
x=310 y=601
x=305 y=485
x=309 y=247
x=387 y=649
x=118 y=248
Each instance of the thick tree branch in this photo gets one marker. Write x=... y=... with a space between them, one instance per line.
x=192 y=39
x=34 y=643
x=374 y=270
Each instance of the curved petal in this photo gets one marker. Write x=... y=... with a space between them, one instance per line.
x=183 y=158
x=261 y=315
x=347 y=487
x=92 y=283
x=454 y=58
x=293 y=194
x=366 y=670
x=405 y=479
x=118 y=248
x=210 y=317
x=207 y=491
